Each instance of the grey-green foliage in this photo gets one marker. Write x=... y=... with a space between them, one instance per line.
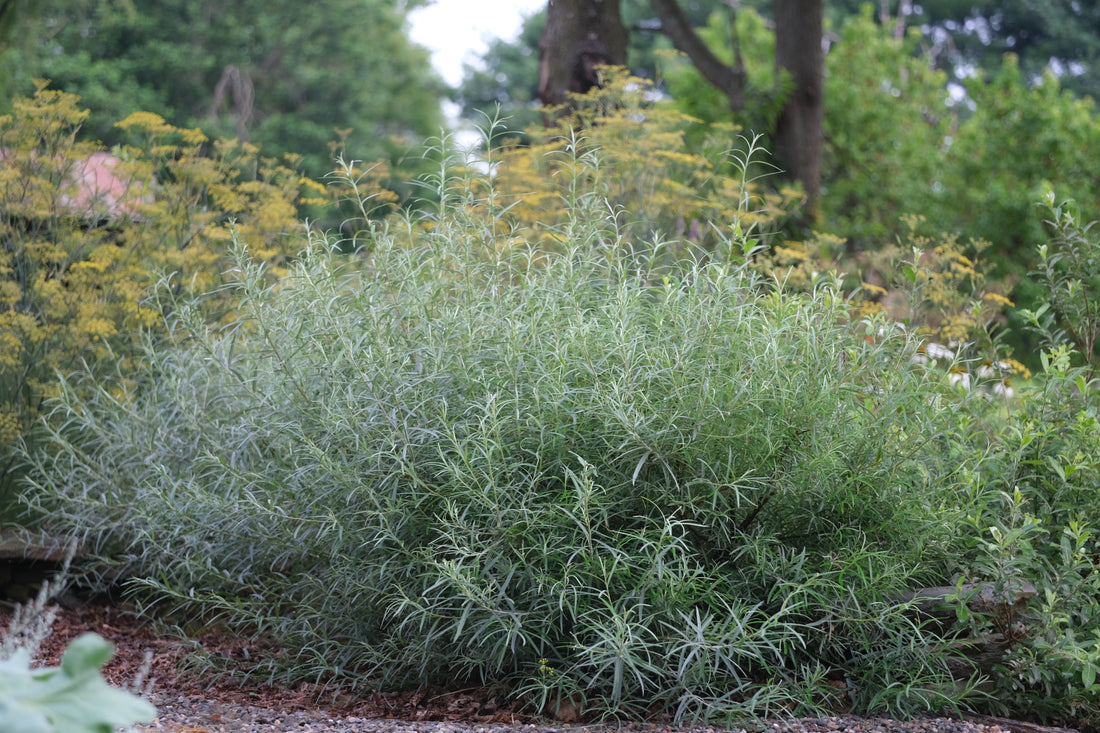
x=467 y=456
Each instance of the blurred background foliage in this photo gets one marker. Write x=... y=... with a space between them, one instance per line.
x=283 y=75
x=961 y=113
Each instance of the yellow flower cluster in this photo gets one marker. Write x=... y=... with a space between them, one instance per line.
x=630 y=149
x=9 y=428
x=85 y=233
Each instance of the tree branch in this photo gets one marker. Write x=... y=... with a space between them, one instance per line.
x=5 y=8
x=729 y=79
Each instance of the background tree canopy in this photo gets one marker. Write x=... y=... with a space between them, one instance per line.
x=926 y=114
x=1061 y=34
x=962 y=37
x=286 y=75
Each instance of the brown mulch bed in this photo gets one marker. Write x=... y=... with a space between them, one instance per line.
x=134 y=638
x=190 y=703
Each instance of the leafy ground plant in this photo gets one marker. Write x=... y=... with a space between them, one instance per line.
x=71 y=698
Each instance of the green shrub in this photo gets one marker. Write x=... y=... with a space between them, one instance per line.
x=1034 y=454
x=1035 y=521
x=458 y=458
x=1069 y=281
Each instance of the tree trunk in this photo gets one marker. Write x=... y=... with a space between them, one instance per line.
x=798 y=30
x=580 y=35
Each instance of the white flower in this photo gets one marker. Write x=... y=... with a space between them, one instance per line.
x=987 y=370
x=938 y=351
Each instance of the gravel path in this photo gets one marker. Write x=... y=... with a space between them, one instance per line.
x=186 y=715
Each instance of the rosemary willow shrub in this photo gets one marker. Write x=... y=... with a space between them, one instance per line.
x=457 y=459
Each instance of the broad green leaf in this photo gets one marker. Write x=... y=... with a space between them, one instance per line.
x=86 y=654
x=72 y=698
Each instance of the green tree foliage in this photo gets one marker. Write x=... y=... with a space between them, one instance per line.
x=886 y=124
x=960 y=36
x=1021 y=141
x=886 y=118
x=284 y=75
x=756 y=43
x=895 y=148
x=508 y=72
x=1042 y=33
x=506 y=76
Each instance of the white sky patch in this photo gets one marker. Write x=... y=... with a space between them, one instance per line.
x=459 y=30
